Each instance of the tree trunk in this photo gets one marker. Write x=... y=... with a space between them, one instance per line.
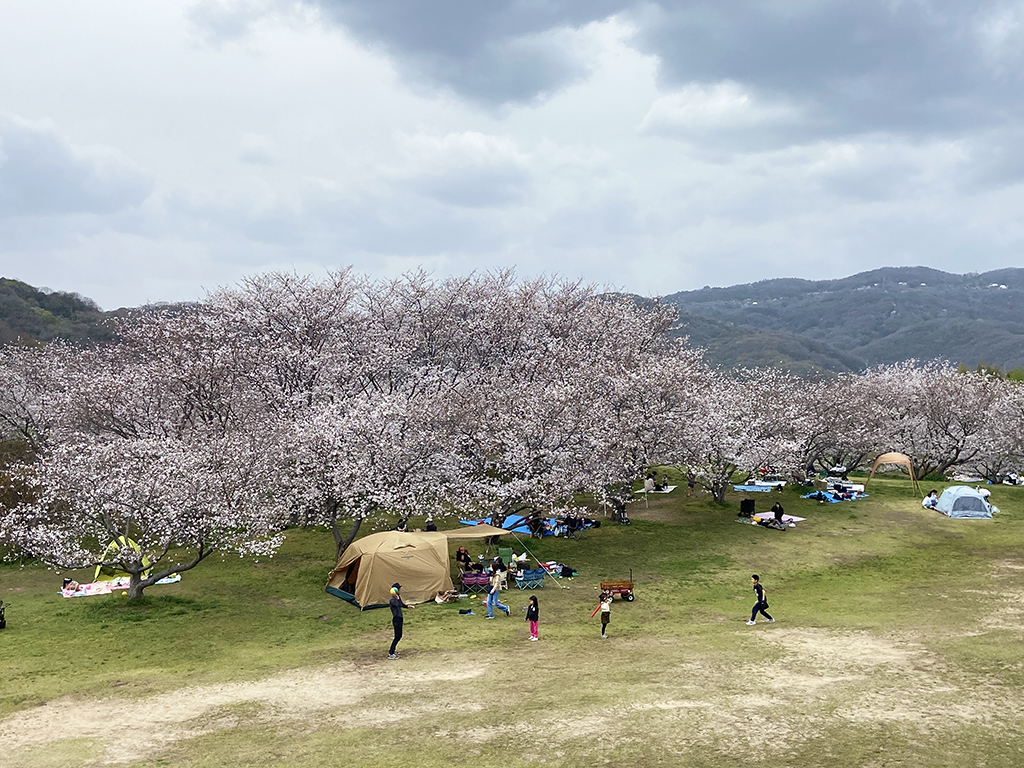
x=718 y=491
x=135 y=587
x=342 y=544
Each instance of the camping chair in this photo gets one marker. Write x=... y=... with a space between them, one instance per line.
x=573 y=528
x=532 y=578
x=505 y=553
x=475 y=581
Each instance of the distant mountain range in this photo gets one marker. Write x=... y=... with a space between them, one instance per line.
x=883 y=316
x=804 y=326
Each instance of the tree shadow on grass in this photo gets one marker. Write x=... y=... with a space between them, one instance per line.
x=147 y=609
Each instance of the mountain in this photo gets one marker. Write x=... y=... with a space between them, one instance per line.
x=882 y=316
x=31 y=314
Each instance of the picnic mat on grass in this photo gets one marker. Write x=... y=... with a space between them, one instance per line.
x=666 y=489
x=832 y=498
x=108 y=586
x=754 y=488
x=785 y=518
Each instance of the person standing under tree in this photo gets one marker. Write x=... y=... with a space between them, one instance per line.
x=533 y=616
x=396 y=616
x=762 y=601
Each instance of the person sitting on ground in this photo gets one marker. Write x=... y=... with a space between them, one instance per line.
x=443 y=597
x=931 y=500
x=778 y=512
x=462 y=559
x=649 y=484
x=403 y=525
x=431 y=525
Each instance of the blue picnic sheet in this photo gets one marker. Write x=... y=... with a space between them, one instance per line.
x=754 y=488
x=831 y=498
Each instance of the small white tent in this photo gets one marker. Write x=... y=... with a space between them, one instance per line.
x=963 y=501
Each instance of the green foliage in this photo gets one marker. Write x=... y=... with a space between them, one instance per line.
x=30 y=315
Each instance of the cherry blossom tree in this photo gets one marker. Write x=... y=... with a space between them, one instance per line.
x=178 y=501
x=932 y=412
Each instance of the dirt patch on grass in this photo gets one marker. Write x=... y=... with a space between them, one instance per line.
x=776 y=688
x=159 y=721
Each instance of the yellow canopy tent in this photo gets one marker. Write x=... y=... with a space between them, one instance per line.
x=894 y=459
x=110 y=572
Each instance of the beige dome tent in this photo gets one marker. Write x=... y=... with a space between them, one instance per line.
x=898 y=459
x=368 y=568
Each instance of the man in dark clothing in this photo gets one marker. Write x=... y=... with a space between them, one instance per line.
x=762 y=601
x=396 y=616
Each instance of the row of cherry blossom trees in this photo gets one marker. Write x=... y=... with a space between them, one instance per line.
x=288 y=400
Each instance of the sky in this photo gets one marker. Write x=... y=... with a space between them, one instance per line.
x=155 y=151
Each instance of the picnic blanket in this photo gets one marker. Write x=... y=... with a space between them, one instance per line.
x=785 y=518
x=110 y=585
x=833 y=498
x=666 y=489
x=754 y=488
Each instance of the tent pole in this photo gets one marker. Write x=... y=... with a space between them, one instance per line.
x=537 y=559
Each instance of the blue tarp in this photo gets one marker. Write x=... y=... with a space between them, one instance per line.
x=832 y=498
x=754 y=488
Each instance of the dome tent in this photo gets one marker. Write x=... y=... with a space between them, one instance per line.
x=962 y=501
x=368 y=568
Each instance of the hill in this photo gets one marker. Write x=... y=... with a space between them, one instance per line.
x=29 y=314
x=882 y=316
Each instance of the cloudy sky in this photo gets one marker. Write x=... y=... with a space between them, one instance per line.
x=150 y=151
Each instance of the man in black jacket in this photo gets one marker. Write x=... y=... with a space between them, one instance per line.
x=396 y=616
x=762 y=601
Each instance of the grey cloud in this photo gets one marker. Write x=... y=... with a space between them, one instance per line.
x=860 y=64
x=41 y=173
x=492 y=52
x=920 y=67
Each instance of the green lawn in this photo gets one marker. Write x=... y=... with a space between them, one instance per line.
x=898 y=642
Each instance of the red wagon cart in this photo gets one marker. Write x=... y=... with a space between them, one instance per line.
x=623 y=589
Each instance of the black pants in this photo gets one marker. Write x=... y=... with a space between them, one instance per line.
x=759 y=606
x=397 y=623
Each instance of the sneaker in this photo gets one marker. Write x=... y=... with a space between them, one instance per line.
x=533 y=639
x=751 y=623
x=508 y=611
x=392 y=655
x=604 y=637
x=488 y=617
x=771 y=621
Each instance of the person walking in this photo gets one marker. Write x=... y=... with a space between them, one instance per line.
x=762 y=602
x=494 y=593
x=691 y=482
x=605 y=607
x=533 y=616
x=397 y=618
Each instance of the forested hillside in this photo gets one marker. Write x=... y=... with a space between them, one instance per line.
x=883 y=316
x=803 y=326
x=29 y=314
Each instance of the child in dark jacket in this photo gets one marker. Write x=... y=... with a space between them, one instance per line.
x=533 y=616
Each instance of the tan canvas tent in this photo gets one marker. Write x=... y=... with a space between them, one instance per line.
x=482 y=531
x=368 y=568
x=898 y=459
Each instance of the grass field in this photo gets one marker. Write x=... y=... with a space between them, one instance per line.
x=898 y=643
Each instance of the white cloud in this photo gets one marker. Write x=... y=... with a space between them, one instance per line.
x=697 y=109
